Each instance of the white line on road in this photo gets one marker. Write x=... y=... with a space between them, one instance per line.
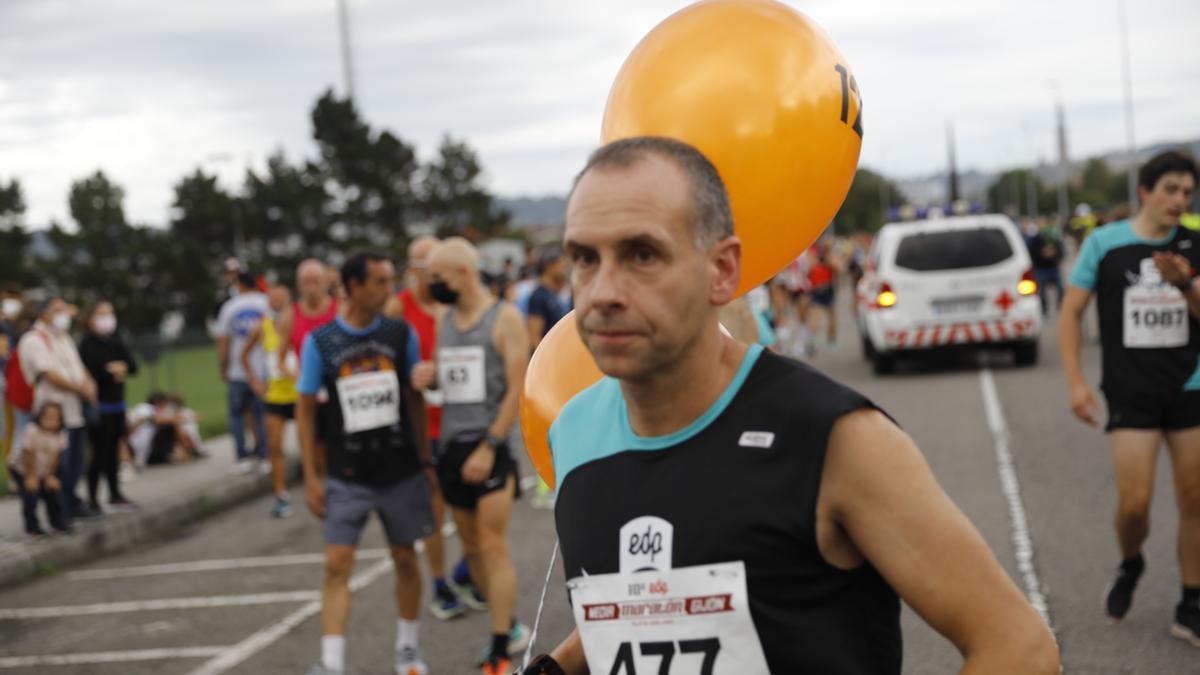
x=110 y=657
x=267 y=636
x=1012 y=493
x=164 y=603
x=215 y=565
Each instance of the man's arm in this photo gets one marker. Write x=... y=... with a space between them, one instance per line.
x=512 y=341
x=1083 y=400
x=223 y=355
x=879 y=499
x=306 y=430
x=536 y=325
x=258 y=386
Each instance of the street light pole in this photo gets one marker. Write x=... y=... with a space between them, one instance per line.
x=1130 y=145
x=1064 y=165
x=347 y=62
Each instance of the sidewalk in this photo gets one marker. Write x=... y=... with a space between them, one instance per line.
x=169 y=496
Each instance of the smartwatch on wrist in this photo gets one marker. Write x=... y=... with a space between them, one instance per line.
x=544 y=664
x=1186 y=286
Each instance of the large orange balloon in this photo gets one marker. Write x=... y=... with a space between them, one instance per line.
x=560 y=368
x=764 y=93
x=767 y=97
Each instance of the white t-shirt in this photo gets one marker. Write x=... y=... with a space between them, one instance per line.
x=141 y=420
x=238 y=318
x=45 y=350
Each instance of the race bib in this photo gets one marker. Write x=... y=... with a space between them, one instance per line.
x=686 y=621
x=277 y=370
x=460 y=374
x=369 y=400
x=1156 y=317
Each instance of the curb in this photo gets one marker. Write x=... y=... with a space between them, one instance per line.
x=115 y=533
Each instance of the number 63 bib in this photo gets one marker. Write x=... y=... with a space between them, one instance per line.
x=1155 y=317
x=686 y=621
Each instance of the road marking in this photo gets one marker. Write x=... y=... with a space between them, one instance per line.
x=232 y=656
x=110 y=657
x=1012 y=493
x=165 y=603
x=215 y=565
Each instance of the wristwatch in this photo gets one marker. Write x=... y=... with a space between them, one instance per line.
x=493 y=441
x=544 y=664
x=1186 y=286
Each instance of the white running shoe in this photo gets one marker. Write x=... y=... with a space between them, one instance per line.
x=409 y=662
x=242 y=467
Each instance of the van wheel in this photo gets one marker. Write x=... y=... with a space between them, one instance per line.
x=883 y=364
x=1026 y=353
x=868 y=349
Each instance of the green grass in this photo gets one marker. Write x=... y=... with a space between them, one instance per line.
x=193 y=374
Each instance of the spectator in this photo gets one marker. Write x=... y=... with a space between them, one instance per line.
x=237 y=320
x=108 y=360
x=1046 y=250
x=51 y=364
x=10 y=308
x=545 y=305
x=34 y=463
x=18 y=395
x=163 y=430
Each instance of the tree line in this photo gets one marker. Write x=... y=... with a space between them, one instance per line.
x=364 y=187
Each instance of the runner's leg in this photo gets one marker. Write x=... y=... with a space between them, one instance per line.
x=1135 y=453
x=493 y=514
x=1184 y=446
x=335 y=589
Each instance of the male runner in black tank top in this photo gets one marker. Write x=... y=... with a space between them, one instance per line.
x=728 y=510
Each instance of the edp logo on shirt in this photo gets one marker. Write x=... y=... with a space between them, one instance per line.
x=646 y=544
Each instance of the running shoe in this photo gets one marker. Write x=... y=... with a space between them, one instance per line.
x=1187 y=624
x=446 y=604
x=518 y=640
x=242 y=467
x=496 y=665
x=122 y=505
x=408 y=662
x=282 y=508
x=1120 y=593
x=460 y=583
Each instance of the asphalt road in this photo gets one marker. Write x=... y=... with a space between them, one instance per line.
x=975 y=419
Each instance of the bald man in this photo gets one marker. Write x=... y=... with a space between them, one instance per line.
x=482 y=352
x=316 y=307
x=415 y=305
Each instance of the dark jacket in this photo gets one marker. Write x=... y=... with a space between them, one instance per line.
x=97 y=352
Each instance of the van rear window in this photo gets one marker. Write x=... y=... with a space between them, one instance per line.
x=953 y=249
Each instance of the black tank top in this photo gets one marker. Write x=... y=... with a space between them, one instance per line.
x=377 y=456
x=739 y=484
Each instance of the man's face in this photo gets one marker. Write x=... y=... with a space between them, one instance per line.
x=418 y=271
x=279 y=298
x=1169 y=199
x=455 y=275
x=55 y=307
x=643 y=292
x=311 y=282
x=374 y=293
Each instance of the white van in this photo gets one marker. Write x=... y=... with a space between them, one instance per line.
x=959 y=281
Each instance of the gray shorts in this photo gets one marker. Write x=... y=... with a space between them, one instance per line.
x=404 y=507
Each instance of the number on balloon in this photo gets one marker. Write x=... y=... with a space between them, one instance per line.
x=849 y=84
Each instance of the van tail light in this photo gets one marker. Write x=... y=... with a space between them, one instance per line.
x=1027 y=285
x=886 y=297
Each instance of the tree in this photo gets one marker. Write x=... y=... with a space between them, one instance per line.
x=369 y=176
x=453 y=196
x=1009 y=193
x=863 y=209
x=204 y=221
x=14 y=240
x=287 y=215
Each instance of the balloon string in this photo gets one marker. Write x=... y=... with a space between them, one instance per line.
x=537 y=620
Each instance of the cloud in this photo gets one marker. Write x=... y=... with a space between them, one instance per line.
x=148 y=91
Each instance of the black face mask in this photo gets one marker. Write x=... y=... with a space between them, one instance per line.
x=443 y=293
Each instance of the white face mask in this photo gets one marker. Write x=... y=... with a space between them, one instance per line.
x=11 y=307
x=105 y=324
x=61 y=321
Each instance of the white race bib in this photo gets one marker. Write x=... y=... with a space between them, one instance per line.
x=1156 y=317
x=460 y=374
x=277 y=370
x=686 y=621
x=369 y=400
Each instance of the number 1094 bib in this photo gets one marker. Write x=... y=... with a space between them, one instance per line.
x=369 y=400
x=686 y=621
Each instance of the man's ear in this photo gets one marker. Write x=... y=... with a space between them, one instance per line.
x=725 y=257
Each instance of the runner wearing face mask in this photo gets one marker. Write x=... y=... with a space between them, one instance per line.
x=110 y=364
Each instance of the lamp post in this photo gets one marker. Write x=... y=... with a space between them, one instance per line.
x=347 y=60
x=1126 y=70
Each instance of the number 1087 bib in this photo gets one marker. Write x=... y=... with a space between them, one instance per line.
x=1156 y=317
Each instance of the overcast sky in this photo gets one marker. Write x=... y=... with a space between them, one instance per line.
x=148 y=90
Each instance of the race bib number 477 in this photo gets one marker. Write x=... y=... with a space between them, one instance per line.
x=687 y=621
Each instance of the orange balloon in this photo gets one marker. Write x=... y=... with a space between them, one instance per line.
x=764 y=93
x=767 y=97
x=560 y=368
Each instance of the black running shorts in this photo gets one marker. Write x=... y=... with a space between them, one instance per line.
x=460 y=494
x=1168 y=411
